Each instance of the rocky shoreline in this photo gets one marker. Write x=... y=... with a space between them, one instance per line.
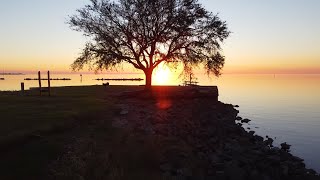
x=201 y=138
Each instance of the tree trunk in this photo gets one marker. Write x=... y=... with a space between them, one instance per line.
x=148 y=73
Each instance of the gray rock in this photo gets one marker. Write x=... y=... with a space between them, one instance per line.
x=201 y=155
x=274 y=158
x=265 y=177
x=228 y=146
x=285 y=146
x=285 y=170
x=149 y=130
x=226 y=157
x=258 y=138
x=184 y=172
x=213 y=140
x=254 y=174
x=276 y=149
x=268 y=141
x=166 y=167
x=120 y=123
x=311 y=171
x=297 y=158
x=256 y=152
x=245 y=120
x=234 y=172
x=214 y=158
x=251 y=133
x=124 y=112
x=220 y=173
x=167 y=174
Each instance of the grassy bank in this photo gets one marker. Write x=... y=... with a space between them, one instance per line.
x=35 y=130
x=27 y=115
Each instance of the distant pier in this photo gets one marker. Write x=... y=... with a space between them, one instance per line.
x=120 y=79
x=52 y=79
x=12 y=74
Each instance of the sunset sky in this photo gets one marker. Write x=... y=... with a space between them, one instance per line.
x=274 y=36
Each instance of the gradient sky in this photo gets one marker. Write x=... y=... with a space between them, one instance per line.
x=274 y=36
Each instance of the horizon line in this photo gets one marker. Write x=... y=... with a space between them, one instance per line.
x=236 y=73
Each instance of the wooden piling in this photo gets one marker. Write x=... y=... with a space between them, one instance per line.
x=22 y=88
x=39 y=78
x=49 y=87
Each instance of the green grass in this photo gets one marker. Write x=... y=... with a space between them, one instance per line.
x=35 y=130
x=23 y=115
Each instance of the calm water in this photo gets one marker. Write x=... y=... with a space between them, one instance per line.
x=285 y=107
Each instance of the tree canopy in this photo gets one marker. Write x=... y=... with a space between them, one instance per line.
x=146 y=33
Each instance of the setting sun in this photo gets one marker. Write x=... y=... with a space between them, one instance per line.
x=162 y=75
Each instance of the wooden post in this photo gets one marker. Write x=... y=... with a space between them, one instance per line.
x=49 y=87
x=39 y=78
x=22 y=88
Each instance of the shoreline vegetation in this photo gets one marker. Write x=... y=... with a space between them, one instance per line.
x=123 y=132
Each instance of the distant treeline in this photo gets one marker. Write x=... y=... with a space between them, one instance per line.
x=120 y=79
x=53 y=79
x=11 y=74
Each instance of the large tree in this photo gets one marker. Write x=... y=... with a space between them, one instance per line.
x=146 y=33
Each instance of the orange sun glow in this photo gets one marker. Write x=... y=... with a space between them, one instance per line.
x=162 y=75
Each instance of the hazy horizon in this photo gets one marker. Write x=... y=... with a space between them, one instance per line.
x=172 y=72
